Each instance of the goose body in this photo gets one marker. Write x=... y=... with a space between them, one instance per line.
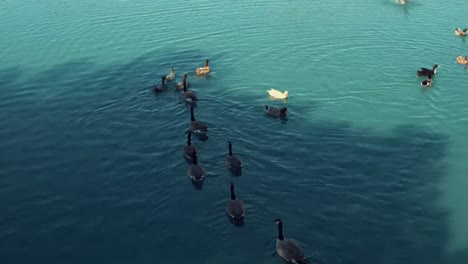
x=171 y=75
x=277 y=94
x=233 y=162
x=427 y=72
x=189 y=149
x=273 y=111
x=288 y=249
x=195 y=171
x=197 y=126
x=161 y=87
x=428 y=82
x=234 y=207
x=180 y=84
x=462 y=60
x=203 y=70
x=460 y=32
x=188 y=96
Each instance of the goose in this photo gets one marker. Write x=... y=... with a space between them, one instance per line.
x=462 y=60
x=188 y=96
x=180 y=84
x=288 y=249
x=460 y=32
x=427 y=83
x=196 y=126
x=161 y=87
x=275 y=111
x=234 y=207
x=171 y=75
x=189 y=148
x=277 y=94
x=195 y=171
x=203 y=70
x=233 y=162
x=426 y=72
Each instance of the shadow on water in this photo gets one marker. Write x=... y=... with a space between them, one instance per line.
x=376 y=217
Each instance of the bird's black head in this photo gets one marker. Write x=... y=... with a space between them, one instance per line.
x=284 y=110
x=435 y=66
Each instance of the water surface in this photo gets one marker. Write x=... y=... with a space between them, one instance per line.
x=368 y=168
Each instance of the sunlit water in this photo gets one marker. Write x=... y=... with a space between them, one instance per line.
x=368 y=168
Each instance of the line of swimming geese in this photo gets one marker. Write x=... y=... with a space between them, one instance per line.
x=288 y=249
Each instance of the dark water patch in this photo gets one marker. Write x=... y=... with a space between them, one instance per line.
x=96 y=172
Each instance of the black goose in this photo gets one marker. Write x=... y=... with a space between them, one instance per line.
x=233 y=162
x=189 y=148
x=188 y=96
x=427 y=72
x=234 y=207
x=288 y=249
x=195 y=171
x=197 y=126
x=161 y=87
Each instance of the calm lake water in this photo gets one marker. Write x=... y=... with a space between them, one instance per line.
x=369 y=168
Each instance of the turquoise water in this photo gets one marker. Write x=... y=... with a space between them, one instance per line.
x=368 y=168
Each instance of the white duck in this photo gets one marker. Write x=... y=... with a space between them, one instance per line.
x=171 y=75
x=277 y=94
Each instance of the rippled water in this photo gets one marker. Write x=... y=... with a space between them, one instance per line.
x=368 y=168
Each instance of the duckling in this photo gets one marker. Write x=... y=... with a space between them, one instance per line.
x=188 y=96
x=197 y=126
x=233 y=162
x=189 y=148
x=171 y=76
x=203 y=70
x=277 y=94
x=275 y=111
x=195 y=171
x=289 y=249
x=460 y=32
x=428 y=82
x=462 y=60
x=180 y=84
x=426 y=72
x=234 y=207
x=162 y=87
